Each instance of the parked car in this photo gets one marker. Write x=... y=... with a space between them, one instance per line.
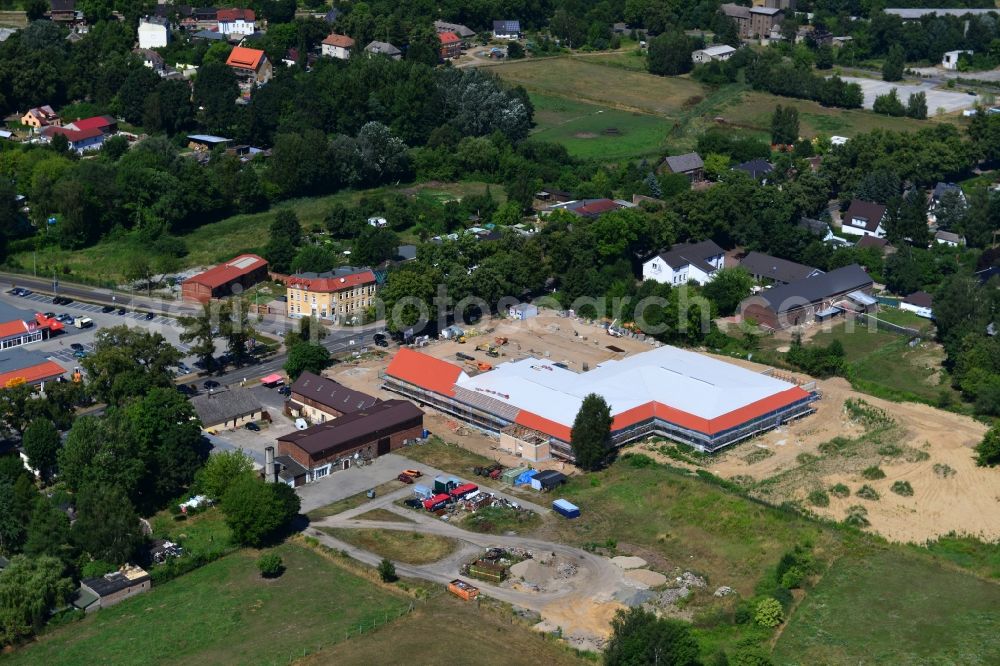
x=108 y=308
x=76 y=346
x=405 y=478
x=80 y=354
x=150 y=315
x=285 y=391
x=23 y=292
x=413 y=473
x=211 y=384
x=65 y=318
x=183 y=369
x=62 y=300
x=380 y=340
x=252 y=426
x=121 y=311
x=413 y=503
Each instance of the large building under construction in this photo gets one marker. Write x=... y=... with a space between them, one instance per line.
x=531 y=403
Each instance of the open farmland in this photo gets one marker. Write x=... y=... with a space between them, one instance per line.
x=224 y=613
x=893 y=608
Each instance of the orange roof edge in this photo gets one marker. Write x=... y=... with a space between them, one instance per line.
x=427 y=372
x=542 y=424
x=32 y=374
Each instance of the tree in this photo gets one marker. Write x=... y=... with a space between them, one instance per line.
x=35 y=9
x=889 y=104
x=728 y=288
x=769 y=613
x=824 y=57
x=916 y=105
x=373 y=246
x=387 y=570
x=286 y=236
x=215 y=93
x=515 y=51
x=107 y=526
x=306 y=357
x=988 y=450
x=640 y=637
x=138 y=269
x=29 y=589
x=424 y=46
x=894 y=63
x=202 y=329
x=235 y=326
x=41 y=443
x=258 y=512
x=716 y=166
x=128 y=362
x=315 y=259
x=221 y=470
x=785 y=125
x=591 y=432
x=670 y=54
x=309 y=330
x=270 y=565
x=48 y=531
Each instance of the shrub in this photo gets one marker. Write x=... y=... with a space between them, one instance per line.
x=902 y=488
x=873 y=473
x=639 y=460
x=867 y=492
x=857 y=516
x=840 y=490
x=806 y=458
x=793 y=578
x=387 y=570
x=890 y=450
x=270 y=565
x=944 y=471
x=819 y=498
x=769 y=613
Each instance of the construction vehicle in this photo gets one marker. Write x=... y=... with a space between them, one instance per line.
x=501 y=341
x=461 y=340
x=414 y=473
x=484 y=347
x=492 y=352
x=465 y=357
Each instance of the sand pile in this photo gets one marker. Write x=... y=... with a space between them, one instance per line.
x=645 y=579
x=627 y=562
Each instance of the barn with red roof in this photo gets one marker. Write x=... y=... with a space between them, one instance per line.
x=220 y=281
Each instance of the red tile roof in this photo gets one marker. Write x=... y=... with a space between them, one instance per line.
x=541 y=424
x=448 y=37
x=598 y=207
x=244 y=58
x=32 y=374
x=229 y=271
x=332 y=284
x=236 y=14
x=96 y=122
x=12 y=328
x=424 y=371
x=343 y=41
x=73 y=136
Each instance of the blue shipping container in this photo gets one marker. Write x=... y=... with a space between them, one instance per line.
x=565 y=508
x=423 y=492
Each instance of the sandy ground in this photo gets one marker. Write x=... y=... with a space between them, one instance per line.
x=936 y=99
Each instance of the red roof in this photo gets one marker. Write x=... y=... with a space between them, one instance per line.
x=32 y=374
x=598 y=207
x=12 y=328
x=73 y=136
x=236 y=14
x=343 y=41
x=96 y=122
x=424 y=371
x=229 y=271
x=332 y=284
x=541 y=424
x=448 y=37
x=243 y=58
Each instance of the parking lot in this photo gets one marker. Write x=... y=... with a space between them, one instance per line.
x=255 y=442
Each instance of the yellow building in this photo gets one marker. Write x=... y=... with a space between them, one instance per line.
x=335 y=295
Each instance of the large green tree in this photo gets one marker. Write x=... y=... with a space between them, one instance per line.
x=894 y=63
x=258 y=512
x=306 y=357
x=988 y=450
x=41 y=443
x=728 y=288
x=29 y=589
x=640 y=637
x=670 y=54
x=48 y=531
x=221 y=470
x=128 y=362
x=590 y=437
x=107 y=526
x=202 y=329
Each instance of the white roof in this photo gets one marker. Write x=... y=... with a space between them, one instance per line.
x=688 y=381
x=721 y=49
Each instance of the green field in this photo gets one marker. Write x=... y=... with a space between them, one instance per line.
x=219 y=241
x=224 y=613
x=892 y=608
x=399 y=546
x=590 y=131
x=203 y=534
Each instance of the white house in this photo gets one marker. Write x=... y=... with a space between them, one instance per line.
x=522 y=311
x=948 y=238
x=685 y=262
x=721 y=53
x=507 y=30
x=920 y=303
x=864 y=218
x=154 y=32
x=378 y=222
x=337 y=46
x=237 y=22
x=950 y=59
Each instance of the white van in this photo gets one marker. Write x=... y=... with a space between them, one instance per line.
x=83 y=322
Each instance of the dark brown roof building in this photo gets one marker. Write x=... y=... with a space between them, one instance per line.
x=782 y=271
x=311 y=393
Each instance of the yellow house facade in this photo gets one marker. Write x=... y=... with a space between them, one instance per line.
x=335 y=295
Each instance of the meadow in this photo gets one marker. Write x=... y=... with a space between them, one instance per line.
x=399 y=546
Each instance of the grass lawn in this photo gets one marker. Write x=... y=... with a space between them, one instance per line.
x=352 y=502
x=384 y=515
x=501 y=520
x=448 y=630
x=407 y=547
x=224 y=613
x=204 y=533
x=589 y=131
x=222 y=240
x=894 y=608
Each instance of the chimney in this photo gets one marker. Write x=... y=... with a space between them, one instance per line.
x=270 y=468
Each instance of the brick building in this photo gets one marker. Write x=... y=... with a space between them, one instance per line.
x=367 y=433
x=319 y=399
x=245 y=270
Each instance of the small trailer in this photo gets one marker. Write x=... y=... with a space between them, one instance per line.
x=567 y=509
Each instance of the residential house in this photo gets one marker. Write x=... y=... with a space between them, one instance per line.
x=154 y=32
x=232 y=277
x=689 y=164
x=112 y=588
x=251 y=65
x=462 y=31
x=948 y=238
x=508 y=30
x=758 y=169
x=227 y=409
x=41 y=116
x=880 y=244
x=206 y=142
x=339 y=294
x=152 y=60
x=685 y=262
x=236 y=22
x=364 y=434
x=765 y=268
x=107 y=125
x=451 y=45
x=589 y=208
x=864 y=218
x=337 y=46
x=206 y=18
x=846 y=289
x=939 y=192
x=920 y=303
x=318 y=399
x=384 y=49
x=80 y=141
x=63 y=11
x=950 y=59
x=763 y=20
x=720 y=53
